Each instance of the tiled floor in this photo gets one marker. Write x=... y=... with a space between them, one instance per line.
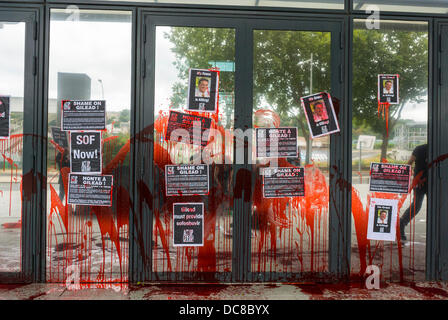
x=353 y=291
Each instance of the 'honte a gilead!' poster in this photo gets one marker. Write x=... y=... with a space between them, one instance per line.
x=276 y=142
x=93 y=190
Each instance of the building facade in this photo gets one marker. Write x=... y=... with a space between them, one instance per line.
x=137 y=57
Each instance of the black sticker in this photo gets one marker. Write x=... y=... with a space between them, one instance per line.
x=187 y=133
x=85 y=152
x=382 y=219
x=320 y=115
x=388 y=88
x=95 y=190
x=4 y=117
x=60 y=137
x=276 y=142
x=188 y=224
x=283 y=182
x=203 y=90
x=391 y=178
x=83 y=115
x=186 y=180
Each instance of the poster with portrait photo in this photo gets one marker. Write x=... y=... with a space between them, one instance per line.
x=388 y=88
x=5 y=118
x=320 y=115
x=382 y=219
x=203 y=90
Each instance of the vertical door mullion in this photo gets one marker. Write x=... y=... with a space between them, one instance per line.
x=33 y=214
x=242 y=173
x=340 y=164
x=142 y=214
x=31 y=211
x=437 y=226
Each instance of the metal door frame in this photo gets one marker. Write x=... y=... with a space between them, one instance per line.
x=339 y=220
x=437 y=220
x=34 y=138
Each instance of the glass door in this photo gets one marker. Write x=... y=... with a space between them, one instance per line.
x=87 y=238
x=17 y=174
x=187 y=174
x=291 y=216
x=269 y=64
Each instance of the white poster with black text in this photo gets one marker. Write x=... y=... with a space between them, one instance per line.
x=382 y=219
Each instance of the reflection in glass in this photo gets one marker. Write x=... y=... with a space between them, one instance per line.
x=397 y=48
x=309 y=4
x=177 y=50
x=90 y=59
x=12 y=71
x=290 y=234
x=429 y=6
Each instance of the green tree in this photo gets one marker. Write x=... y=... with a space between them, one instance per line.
x=125 y=115
x=282 y=71
x=386 y=51
x=197 y=48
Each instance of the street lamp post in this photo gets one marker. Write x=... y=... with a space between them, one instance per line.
x=102 y=88
x=310 y=142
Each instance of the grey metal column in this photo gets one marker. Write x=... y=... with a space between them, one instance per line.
x=340 y=161
x=141 y=217
x=242 y=173
x=437 y=225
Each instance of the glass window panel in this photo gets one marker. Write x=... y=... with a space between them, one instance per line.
x=291 y=234
x=12 y=71
x=427 y=6
x=309 y=4
x=177 y=50
x=396 y=48
x=90 y=59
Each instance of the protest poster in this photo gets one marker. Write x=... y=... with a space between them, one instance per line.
x=283 y=182
x=188 y=224
x=187 y=128
x=389 y=177
x=83 y=115
x=59 y=137
x=85 y=152
x=187 y=180
x=94 y=190
x=388 y=88
x=203 y=90
x=382 y=219
x=320 y=115
x=276 y=142
x=5 y=117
